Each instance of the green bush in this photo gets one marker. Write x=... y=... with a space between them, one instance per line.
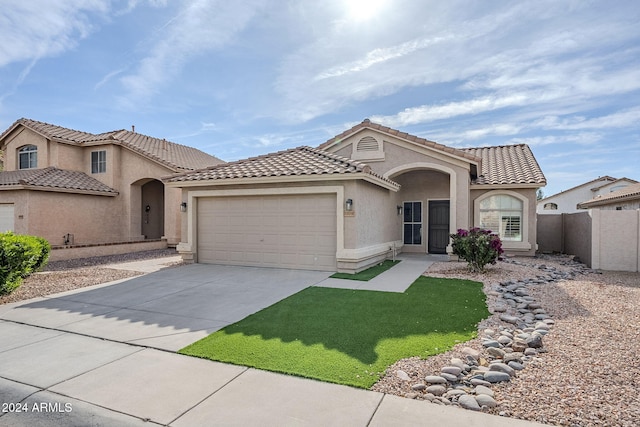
x=477 y=246
x=20 y=255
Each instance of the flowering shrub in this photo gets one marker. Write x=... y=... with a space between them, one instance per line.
x=477 y=246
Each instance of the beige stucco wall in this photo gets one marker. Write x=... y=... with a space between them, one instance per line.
x=25 y=137
x=52 y=215
x=376 y=218
x=615 y=240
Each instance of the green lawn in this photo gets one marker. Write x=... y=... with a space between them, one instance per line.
x=350 y=336
x=369 y=273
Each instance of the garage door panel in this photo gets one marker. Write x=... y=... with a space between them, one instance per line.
x=6 y=217
x=293 y=231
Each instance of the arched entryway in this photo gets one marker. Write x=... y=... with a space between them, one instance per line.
x=152 y=209
x=428 y=200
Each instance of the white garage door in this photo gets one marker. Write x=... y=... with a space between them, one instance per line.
x=6 y=217
x=293 y=231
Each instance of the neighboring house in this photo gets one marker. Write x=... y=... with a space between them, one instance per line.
x=567 y=201
x=627 y=198
x=74 y=187
x=356 y=198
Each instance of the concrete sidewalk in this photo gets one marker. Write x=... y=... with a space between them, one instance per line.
x=69 y=360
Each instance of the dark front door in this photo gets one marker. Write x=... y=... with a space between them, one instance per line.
x=438 y=226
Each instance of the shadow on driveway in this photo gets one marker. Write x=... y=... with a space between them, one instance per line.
x=167 y=309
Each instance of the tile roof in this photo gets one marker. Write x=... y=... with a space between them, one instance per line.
x=175 y=156
x=630 y=192
x=300 y=161
x=368 y=124
x=53 y=179
x=605 y=178
x=507 y=165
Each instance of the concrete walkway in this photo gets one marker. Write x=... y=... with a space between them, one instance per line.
x=396 y=279
x=104 y=356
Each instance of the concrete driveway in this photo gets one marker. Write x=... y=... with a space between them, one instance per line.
x=168 y=309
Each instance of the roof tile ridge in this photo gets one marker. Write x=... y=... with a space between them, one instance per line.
x=250 y=159
x=354 y=163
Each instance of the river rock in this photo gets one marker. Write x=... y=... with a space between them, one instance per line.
x=469 y=402
x=495 y=352
x=509 y=319
x=480 y=382
x=486 y=400
x=504 y=340
x=491 y=343
x=502 y=367
x=496 y=376
x=436 y=390
x=517 y=366
x=403 y=375
x=472 y=352
x=481 y=389
x=535 y=341
x=453 y=370
x=449 y=377
x=435 y=379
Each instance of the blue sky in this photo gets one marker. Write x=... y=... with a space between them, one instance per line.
x=248 y=77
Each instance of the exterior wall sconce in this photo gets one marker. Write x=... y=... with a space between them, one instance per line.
x=348 y=205
x=399 y=208
x=183 y=207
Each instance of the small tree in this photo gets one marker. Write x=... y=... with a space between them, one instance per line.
x=477 y=246
x=20 y=255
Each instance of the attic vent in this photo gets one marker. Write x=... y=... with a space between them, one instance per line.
x=368 y=143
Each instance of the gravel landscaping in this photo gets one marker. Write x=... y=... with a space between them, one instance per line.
x=61 y=276
x=587 y=373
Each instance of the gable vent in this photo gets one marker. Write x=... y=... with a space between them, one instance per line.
x=368 y=143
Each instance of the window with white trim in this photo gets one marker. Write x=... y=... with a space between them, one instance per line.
x=502 y=214
x=28 y=157
x=98 y=161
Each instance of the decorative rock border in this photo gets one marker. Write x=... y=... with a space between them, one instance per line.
x=467 y=381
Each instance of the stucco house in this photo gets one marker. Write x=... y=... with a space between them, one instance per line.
x=74 y=187
x=567 y=201
x=626 y=198
x=355 y=199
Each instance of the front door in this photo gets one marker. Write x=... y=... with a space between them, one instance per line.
x=438 y=226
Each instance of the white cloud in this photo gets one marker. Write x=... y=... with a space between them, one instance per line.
x=36 y=29
x=200 y=27
x=428 y=113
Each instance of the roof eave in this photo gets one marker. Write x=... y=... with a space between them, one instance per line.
x=507 y=186
x=610 y=201
x=390 y=185
x=59 y=190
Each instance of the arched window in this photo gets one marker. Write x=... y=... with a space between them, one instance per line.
x=28 y=157
x=550 y=206
x=502 y=214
